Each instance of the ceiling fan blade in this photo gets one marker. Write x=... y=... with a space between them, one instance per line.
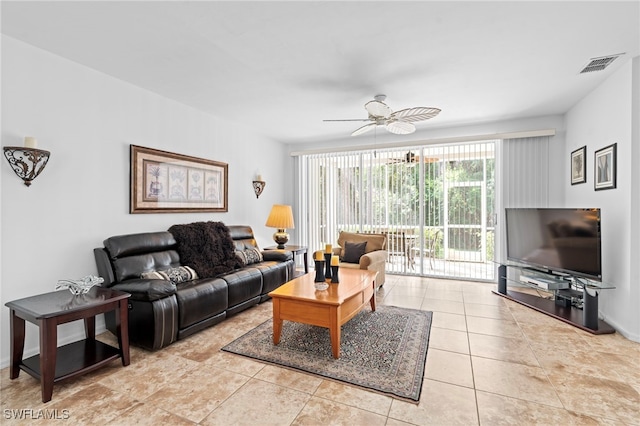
x=351 y=119
x=363 y=129
x=415 y=114
x=378 y=109
x=400 y=127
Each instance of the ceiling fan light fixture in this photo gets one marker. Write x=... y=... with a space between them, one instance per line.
x=378 y=109
x=400 y=127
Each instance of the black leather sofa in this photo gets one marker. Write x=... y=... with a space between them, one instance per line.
x=161 y=312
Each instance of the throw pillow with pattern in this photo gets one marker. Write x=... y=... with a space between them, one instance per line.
x=175 y=275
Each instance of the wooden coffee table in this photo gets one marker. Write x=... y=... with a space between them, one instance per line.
x=299 y=301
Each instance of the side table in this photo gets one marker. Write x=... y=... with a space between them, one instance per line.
x=295 y=250
x=49 y=310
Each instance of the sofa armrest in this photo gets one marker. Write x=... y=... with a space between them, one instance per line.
x=277 y=255
x=373 y=257
x=147 y=289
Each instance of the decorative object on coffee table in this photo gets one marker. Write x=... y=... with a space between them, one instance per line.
x=327 y=262
x=383 y=350
x=320 y=277
x=321 y=286
x=335 y=262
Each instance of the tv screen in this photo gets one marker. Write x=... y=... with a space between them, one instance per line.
x=559 y=240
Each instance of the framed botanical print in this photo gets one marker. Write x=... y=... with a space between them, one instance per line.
x=166 y=182
x=579 y=166
x=605 y=168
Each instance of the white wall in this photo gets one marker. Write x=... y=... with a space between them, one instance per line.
x=88 y=120
x=609 y=115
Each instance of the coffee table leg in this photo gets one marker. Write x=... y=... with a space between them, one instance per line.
x=17 y=344
x=277 y=322
x=334 y=332
x=372 y=301
x=48 y=349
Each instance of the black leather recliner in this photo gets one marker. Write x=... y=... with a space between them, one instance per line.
x=161 y=312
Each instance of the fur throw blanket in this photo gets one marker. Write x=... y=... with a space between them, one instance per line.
x=207 y=247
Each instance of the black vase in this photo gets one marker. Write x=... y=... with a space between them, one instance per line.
x=319 y=271
x=327 y=271
x=334 y=274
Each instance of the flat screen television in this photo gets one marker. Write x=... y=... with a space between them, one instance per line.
x=556 y=240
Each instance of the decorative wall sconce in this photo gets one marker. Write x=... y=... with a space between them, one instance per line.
x=27 y=162
x=258 y=185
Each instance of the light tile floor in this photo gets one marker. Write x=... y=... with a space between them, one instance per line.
x=490 y=362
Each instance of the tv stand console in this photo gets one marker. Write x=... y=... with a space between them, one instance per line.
x=565 y=291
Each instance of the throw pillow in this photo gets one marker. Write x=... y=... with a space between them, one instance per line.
x=175 y=275
x=353 y=251
x=252 y=255
x=242 y=259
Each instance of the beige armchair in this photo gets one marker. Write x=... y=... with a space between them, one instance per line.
x=374 y=257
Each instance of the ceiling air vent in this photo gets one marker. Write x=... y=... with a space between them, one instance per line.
x=599 y=64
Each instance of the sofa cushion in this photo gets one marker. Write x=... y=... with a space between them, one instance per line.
x=274 y=274
x=353 y=251
x=374 y=241
x=175 y=275
x=249 y=256
x=201 y=299
x=132 y=244
x=243 y=285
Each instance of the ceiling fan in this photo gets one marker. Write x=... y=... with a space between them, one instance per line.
x=399 y=122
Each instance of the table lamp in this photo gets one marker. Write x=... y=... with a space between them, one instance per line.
x=281 y=218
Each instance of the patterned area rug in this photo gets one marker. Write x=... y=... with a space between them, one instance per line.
x=383 y=350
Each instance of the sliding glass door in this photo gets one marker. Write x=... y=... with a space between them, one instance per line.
x=435 y=203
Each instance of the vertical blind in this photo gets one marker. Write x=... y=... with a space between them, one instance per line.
x=522 y=178
x=436 y=203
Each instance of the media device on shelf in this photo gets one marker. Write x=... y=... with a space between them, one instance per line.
x=556 y=240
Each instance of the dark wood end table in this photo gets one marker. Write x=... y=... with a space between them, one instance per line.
x=295 y=250
x=49 y=310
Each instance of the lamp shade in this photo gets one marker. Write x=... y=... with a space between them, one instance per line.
x=281 y=217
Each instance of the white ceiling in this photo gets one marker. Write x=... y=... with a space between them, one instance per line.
x=283 y=67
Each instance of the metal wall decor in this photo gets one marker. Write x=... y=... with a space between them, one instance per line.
x=27 y=163
x=258 y=187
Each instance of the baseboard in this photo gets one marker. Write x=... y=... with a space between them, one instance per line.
x=634 y=337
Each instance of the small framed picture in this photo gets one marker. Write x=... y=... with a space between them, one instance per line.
x=605 y=168
x=579 y=166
